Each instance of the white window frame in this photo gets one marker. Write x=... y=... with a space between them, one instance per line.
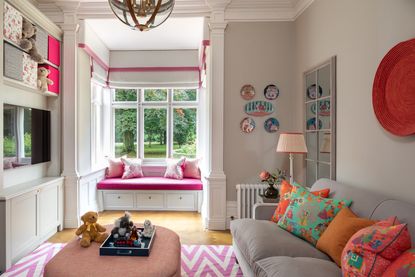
x=141 y=105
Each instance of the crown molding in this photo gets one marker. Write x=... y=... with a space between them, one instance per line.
x=35 y=15
x=234 y=10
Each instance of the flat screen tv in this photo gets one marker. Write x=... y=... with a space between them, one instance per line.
x=26 y=136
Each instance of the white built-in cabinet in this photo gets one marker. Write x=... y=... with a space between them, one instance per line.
x=150 y=200
x=30 y=213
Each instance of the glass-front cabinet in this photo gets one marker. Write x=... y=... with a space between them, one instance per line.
x=320 y=121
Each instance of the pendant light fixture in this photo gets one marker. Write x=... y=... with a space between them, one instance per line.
x=142 y=14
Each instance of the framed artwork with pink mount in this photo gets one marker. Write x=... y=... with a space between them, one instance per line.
x=320 y=121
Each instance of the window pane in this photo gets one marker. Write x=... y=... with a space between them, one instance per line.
x=153 y=95
x=155 y=133
x=184 y=132
x=125 y=95
x=125 y=132
x=185 y=95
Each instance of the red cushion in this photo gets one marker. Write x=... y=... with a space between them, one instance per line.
x=150 y=183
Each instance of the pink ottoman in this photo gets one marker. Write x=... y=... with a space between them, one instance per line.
x=164 y=260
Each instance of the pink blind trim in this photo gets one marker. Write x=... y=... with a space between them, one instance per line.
x=94 y=56
x=154 y=69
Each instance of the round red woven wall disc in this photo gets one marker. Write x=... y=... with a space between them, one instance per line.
x=394 y=90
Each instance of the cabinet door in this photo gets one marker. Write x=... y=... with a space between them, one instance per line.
x=23 y=222
x=48 y=209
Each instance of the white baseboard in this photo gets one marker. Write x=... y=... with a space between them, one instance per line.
x=231 y=212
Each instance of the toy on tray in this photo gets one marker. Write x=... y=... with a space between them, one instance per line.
x=123 y=227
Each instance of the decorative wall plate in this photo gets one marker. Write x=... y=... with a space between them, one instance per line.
x=324 y=108
x=312 y=91
x=247 y=92
x=394 y=90
x=248 y=125
x=259 y=108
x=271 y=125
x=271 y=92
x=311 y=124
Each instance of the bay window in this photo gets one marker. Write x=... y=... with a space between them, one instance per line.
x=154 y=123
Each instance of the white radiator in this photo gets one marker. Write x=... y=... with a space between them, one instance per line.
x=247 y=197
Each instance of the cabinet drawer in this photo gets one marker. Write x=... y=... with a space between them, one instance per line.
x=150 y=200
x=119 y=200
x=181 y=201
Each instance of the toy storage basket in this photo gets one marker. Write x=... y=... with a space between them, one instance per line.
x=42 y=42
x=13 y=62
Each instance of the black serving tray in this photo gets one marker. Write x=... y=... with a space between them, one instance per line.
x=107 y=250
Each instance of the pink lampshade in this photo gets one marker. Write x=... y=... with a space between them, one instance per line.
x=292 y=143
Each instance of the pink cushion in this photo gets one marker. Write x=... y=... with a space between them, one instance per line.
x=150 y=183
x=191 y=169
x=115 y=168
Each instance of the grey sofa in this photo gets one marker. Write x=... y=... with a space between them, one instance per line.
x=264 y=249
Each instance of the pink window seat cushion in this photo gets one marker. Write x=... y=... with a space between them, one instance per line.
x=150 y=183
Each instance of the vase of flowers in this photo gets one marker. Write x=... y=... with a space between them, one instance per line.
x=273 y=180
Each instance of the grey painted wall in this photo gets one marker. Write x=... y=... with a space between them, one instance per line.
x=257 y=54
x=360 y=33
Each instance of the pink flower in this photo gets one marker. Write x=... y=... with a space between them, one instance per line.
x=264 y=175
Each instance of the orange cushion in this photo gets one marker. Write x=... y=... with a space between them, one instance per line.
x=285 y=196
x=338 y=233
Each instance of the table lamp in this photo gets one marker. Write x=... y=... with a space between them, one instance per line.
x=292 y=143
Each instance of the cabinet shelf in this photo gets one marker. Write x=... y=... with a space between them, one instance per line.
x=45 y=61
x=20 y=85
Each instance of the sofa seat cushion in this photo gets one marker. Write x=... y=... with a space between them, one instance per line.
x=150 y=183
x=295 y=267
x=260 y=239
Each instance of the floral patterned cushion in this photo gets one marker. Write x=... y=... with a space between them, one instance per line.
x=308 y=215
x=132 y=168
x=285 y=197
x=371 y=250
x=174 y=168
x=403 y=266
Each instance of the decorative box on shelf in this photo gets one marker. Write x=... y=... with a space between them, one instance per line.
x=54 y=75
x=13 y=19
x=142 y=248
x=19 y=66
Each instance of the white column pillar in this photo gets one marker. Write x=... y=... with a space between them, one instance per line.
x=69 y=114
x=215 y=217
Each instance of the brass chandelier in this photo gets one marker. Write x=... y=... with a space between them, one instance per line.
x=142 y=14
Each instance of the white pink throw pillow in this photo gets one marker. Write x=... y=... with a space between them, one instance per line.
x=115 y=168
x=174 y=168
x=132 y=168
x=191 y=169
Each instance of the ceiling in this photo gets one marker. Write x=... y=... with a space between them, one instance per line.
x=236 y=10
x=176 y=33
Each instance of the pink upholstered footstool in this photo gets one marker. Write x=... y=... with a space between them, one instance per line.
x=164 y=260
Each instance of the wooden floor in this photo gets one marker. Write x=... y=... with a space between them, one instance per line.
x=187 y=224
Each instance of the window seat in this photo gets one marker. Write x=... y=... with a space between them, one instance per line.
x=153 y=193
x=150 y=183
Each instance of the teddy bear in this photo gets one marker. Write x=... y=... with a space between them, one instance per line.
x=42 y=79
x=122 y=227
x=91 y=230
x=28 y=41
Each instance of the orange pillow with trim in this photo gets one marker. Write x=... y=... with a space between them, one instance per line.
x=285 y=197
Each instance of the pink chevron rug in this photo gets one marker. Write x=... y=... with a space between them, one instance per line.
x=197 y=260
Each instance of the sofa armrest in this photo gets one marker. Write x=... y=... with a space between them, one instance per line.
x=264 y=211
